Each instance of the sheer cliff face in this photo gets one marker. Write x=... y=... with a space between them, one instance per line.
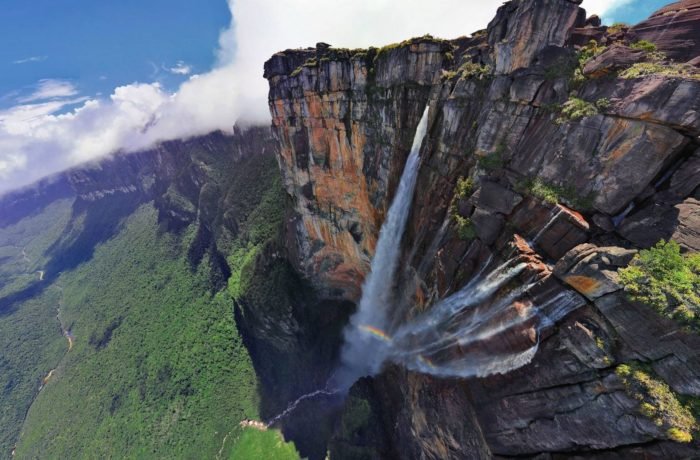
x=533 y=114
x=345 y=125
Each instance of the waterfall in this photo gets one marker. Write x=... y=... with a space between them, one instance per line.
x=488 y=326
x=365 y=347
x=294 y=404
x=553 y=214
x=491 y=325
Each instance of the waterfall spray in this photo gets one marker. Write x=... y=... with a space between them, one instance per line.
x=366 y=344
x=553 y=214
x=489 y=326
x=486 y=327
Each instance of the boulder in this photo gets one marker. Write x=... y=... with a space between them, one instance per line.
x=564 y=417
x=666 y=100
x=488 y=225
x=514 y=34
x=582 y=36
x=497 y=198
x=687 y=178
x=687 y=233
x=553 y=229
x=674 y=353
x=592 y=270
x=613 y=59
x=593 y=21
x=608 y=160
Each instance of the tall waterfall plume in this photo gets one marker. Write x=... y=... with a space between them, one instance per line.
x=489 y=326
x=365 y=347
x=492 y=325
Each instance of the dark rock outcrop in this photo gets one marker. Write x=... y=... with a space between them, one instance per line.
x=592 y=270
x=523 y=28
x=613 y=59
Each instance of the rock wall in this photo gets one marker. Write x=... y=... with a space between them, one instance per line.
x=345 y=123
x=567 y=145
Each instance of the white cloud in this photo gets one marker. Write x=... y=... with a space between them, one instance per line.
x=181 y=69
x=22 y=119
x=35 y=141
x=50 y=89
x=604 y=7
x=30 y=59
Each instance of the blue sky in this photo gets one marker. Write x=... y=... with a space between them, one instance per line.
x=634 y=11
x=98 y=45
x=81 y=79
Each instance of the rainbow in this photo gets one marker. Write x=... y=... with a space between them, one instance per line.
x=378 y=333
x=426 y=361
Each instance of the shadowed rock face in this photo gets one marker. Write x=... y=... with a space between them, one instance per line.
x=18 y=204
x=516 y=35
x=623 y=174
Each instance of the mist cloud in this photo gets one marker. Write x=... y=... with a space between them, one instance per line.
x=37 y=139
x=30 y=59
x=50 y=89
x=180 y=69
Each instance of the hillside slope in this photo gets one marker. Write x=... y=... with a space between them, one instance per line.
x=119 y=335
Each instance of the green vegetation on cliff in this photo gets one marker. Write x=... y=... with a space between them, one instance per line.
x=268 y=445
x=658 y=402
x=666 y=280
x=554 y=194
x=412 y=41
x=463 y=225
x=469 y=70
x=643 y=69
x=656 y=63
x=617 y=27
x=31 y=343
x=589 y=51
x=158 y=368
x=643 y=45
x=575 y=109
x=260 y=198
